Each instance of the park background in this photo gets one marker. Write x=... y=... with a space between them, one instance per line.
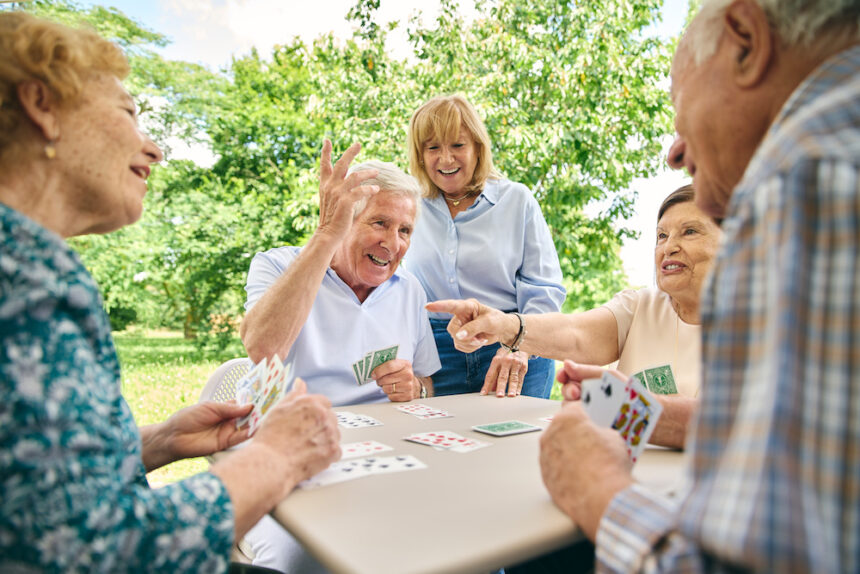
x=240 y=95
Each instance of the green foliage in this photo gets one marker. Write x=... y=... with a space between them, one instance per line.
x=570 y=91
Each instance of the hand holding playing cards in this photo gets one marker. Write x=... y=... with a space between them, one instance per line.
x=572 y=374
x=338 y=192
x=302 y=428
x=506 y=373
x=198 y=430
x=396 y=379
x=583 y=466
x=474 y=324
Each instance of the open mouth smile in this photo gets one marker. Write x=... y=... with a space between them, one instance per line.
x=378 y=261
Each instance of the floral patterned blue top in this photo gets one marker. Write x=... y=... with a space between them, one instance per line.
x=73 y=489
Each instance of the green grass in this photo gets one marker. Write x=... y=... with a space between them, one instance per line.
x=161 y=373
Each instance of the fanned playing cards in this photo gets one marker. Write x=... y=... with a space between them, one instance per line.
x=627 y=407
x=263 y=386
x=363 y=368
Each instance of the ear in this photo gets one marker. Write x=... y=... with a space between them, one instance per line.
x=750 y=38
x=40 y=105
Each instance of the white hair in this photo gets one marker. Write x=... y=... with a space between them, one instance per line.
x=796 y=22
x=391 y=179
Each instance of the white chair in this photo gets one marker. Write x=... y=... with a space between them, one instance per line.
x=221 y=386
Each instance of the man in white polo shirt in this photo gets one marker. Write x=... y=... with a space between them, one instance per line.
x=324 y=306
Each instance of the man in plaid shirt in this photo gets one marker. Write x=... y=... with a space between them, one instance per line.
x=767 y=96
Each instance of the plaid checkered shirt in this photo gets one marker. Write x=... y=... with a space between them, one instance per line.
x=775 y=459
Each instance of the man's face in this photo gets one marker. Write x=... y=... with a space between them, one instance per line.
x=718 y=126
x=377 y=242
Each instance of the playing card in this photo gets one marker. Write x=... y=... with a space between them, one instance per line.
x=506 y=428
x=386 y=464
x=248 y=389
x=603 y=397
x=437 y=439
x=382 y=356
x=347 y=419
x=277 y=378
x=339 y=471
x=637 y=418
x=423 y=411
x=364 y=448
x=659 y=380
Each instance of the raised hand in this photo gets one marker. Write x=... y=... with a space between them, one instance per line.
x=338 y=192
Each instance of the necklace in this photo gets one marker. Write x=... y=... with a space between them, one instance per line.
x=455 y=201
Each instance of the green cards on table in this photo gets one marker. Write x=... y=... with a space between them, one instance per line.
x=506 y=428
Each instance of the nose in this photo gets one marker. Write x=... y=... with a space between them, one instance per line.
x=676 y=153
x=151 y=150
x=671 y=245
x=447 y=154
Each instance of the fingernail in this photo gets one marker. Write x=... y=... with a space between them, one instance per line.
x=461 y=335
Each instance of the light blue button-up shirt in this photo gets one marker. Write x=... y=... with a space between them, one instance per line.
x=340 y=329
x=498 y=251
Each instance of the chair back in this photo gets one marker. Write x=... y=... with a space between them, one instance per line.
x=221 y=386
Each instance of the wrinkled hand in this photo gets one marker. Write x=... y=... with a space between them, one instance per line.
x=474 y=324
x=204 y=428
x=303 y=429
x=583 y=466
x=338 y=192
x=506 y=373
x=396 y=379
x=572 y=374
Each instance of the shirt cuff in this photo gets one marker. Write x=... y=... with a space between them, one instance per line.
x=634 y=523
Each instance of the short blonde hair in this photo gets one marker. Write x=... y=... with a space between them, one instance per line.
x=61 y=57
x=441 y=117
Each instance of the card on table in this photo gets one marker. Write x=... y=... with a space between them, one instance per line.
x=659 y=380
x=423 y=411
x=447 y=440
x=347 y=419
x=364 y=448
x=344 y=470
x=506 y=428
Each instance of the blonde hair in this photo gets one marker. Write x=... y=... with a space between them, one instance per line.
x=61 y=57
x=441 y=118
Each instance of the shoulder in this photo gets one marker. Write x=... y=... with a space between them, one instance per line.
x=279 y=257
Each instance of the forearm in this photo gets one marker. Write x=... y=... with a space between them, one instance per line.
x=589 y=338
x=155 y=445
x=274 y=479
x=274 y=323
x=671 y=430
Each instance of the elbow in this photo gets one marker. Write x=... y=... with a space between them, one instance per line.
x=255 y=346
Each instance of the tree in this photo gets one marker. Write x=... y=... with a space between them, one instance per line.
x=570 y=92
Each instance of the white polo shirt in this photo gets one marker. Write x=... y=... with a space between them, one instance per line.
x=340 y=330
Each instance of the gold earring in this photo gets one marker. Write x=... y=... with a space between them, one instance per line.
x=50 y=150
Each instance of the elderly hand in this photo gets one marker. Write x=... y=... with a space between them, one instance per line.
x=396 y=379
x=583 y=466
x=506 y=373
x=338 y=192
x=197 y=430
x=474 y=324
x=572 y=374
x=303 y=429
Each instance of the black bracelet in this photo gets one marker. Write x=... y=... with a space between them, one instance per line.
x=515 y=346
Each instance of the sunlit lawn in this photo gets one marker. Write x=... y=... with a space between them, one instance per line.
x=161 y=373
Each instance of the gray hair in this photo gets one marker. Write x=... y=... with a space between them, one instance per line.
x=391 y=179
x=796 y=22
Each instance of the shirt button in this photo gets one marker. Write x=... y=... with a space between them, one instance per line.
x=450 y=280
x=451 y=251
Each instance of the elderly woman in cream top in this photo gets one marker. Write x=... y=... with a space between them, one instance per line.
x=638 y=328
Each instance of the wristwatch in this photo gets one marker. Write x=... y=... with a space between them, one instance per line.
x=423 y=394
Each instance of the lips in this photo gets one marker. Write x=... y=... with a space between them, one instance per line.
x=141 y=171
x=378 y=261
x=449 y=172
x=671 y=266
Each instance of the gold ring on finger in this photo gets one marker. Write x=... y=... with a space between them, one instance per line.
x=393 y=387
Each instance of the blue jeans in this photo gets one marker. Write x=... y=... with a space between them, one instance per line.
x=465 y=372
